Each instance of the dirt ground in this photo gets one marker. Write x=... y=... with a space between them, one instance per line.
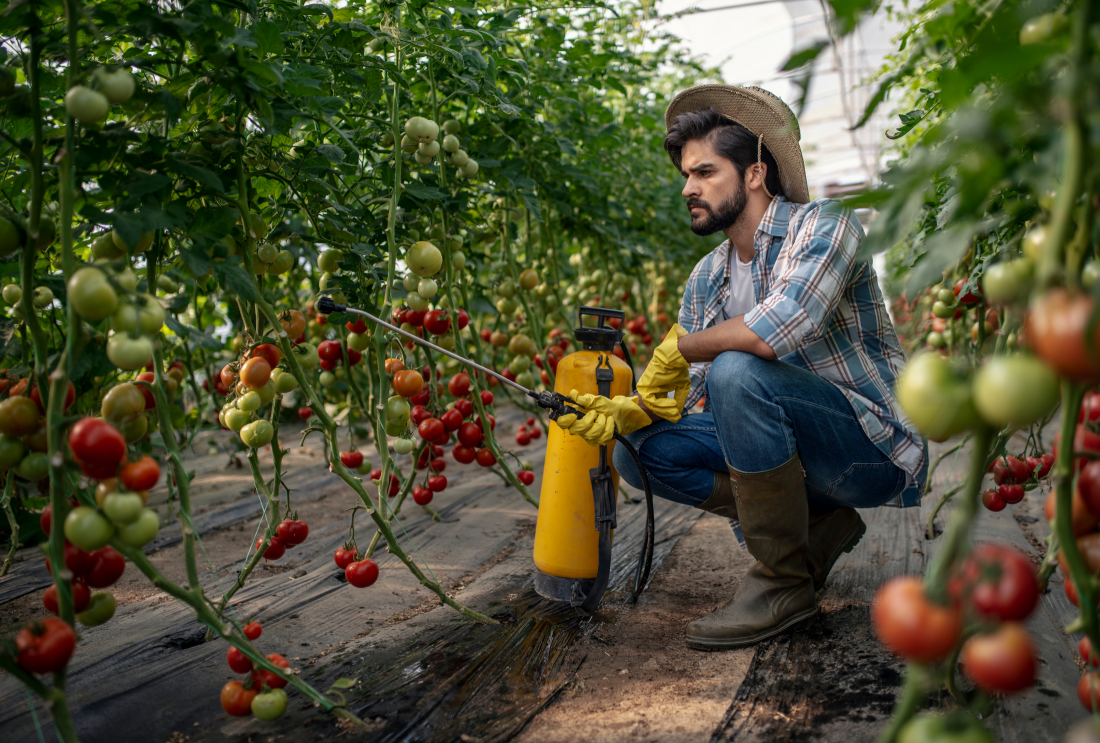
x=639 y=681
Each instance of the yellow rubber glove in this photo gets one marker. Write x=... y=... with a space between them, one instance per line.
x=624 y=410
x=667 y=372
x=595 y=428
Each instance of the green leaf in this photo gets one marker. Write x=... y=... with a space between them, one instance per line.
x=196 y=336
x=236 y=279
x=804 y=57
x=343 y=683
x=215 y=222
x=264 y=71
x=268 y=38
x=330 y=151
x=422 y=192
x=194 y=172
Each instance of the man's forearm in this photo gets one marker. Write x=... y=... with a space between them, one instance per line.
x=729 y=335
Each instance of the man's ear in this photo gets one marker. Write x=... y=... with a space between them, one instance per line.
x=757 y=173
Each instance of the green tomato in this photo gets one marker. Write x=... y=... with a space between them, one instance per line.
x=1015 y=389
x=103 y=247
x=127 y=279
x=86 y=105
x=936 y=397
x=267 y=253
x=42 y=297
x=270 y=705
x=358 y=341
x=142 y=530
x=34 y=467
x=506 y=289
x=1004 y=283
x=117 y=86
x=307 y=355
x=458 y=260
x=520 y=364
x=955 y=728
x=1090 y=274
x=935 y=340
x=257 y=433
x=946 y=296
x=416 y=302
x=100 y=609
x=451 y=143
x=427 y=151
x=525 y=379
x=939 y=309
x=12 y=294
x=451 y=126
x=129 y=353
x=410 y=282
x=427 y=288
x=235 y=420
x=167 y=283
x=459 y=158
x=469 y=170
x=396 y=428
x=11 y=451
x=404 y=445
x=327 y=379
x=249 y=402
x=424 y=259
x=132 y=430
x=125 y=319
x=284 y=381
x=329 y=260
x=364 y=468
x=507 y=307
x=284 y=261
x=87 y=529
x=123 y=507
x=445 y=341
x=397 y=409
x=266 y=393
x=9 y=237
x=150 y=316
x=143 y=243
x=341 y=373
x=1041 y=27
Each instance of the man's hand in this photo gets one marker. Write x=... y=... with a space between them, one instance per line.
x=667 y=372
x=604 y=418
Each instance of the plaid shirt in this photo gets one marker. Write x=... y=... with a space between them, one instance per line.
x=821 y=311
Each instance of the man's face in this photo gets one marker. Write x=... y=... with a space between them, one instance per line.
x=715 y=191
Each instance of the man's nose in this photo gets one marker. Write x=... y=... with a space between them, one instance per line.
x=690 y=189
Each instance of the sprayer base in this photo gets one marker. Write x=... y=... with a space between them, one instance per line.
x=561 y=589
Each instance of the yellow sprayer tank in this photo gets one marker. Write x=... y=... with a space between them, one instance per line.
x=566 y=539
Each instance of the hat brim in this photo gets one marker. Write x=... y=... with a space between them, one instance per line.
x=761 y=113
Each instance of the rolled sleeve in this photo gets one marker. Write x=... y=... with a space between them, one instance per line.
x=806 y=289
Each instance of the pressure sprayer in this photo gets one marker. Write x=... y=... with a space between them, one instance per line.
x=577 y=513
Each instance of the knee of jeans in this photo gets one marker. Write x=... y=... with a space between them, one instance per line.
x=734 y=375
x=625 y=466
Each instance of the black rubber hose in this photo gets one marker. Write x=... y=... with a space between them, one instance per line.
x=645 y=559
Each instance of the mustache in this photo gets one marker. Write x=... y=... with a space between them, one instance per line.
x=699 y=203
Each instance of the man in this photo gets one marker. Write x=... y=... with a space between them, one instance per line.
x=788 y=339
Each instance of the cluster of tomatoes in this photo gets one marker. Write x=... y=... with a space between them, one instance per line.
x=359 y=573
x=261 y=694
x=97 y=569
x=1010 y=474
x=289 y=533
x=526 y=353
x=251 y=384
x=989 y=594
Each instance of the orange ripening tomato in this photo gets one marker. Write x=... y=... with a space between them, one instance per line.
x=294 y=324
x=255 y=373
x=910 y=625
x=1056 y=326
x=407 y=382
x=269 y=353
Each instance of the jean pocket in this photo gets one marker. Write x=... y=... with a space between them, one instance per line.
x=867 y=485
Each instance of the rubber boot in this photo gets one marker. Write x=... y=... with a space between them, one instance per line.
x=832 y=532
x=777 y=593
x=721 y=501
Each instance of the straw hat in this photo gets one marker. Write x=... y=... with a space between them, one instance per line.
x=763 y=114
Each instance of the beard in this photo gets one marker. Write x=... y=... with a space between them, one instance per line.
x=722 y=218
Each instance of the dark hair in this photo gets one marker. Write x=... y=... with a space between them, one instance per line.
x=731 y=140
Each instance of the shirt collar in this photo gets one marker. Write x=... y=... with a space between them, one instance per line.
x=776 y=218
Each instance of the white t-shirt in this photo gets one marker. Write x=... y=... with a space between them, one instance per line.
x=742 y=295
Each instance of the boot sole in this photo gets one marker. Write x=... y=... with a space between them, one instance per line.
x=854 y=538
x=722 y=643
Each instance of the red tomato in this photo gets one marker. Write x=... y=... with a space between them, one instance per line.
x=106 y=567
x=275 y=548
x=269 y=678
x=345 y=556
x=437 y=322
x=998 y=581
x=492 y=423
x=253 y=630
x=523 y=438
x=1011 y=493
x=1088 y=691
x=992 y=500
x=527 y=477
x=437 y=484
x=97 y=446
x=45 y=646
x=508 y=374
x=470 y=434
x=535 y=433
x=415 y=318
x=358 y=326
x=399 y=315
x=485 y=457
x=424 y=458
x=910 y=625
x=292 y=532
x=76 y=560
x=140 y=475
x=462 y=319
x=486 y=397
x=227 y=375
x=438 y=464
x=269 y=353
x=1088 y=485
x=969 y=297
x=1010 y=470
x=328 y=365
x=147 y=391
x=459 y=385
x=354 y=357
x=465 y=407
x=1083 y=440
x=1090 y=408
x=486 y=334
x=464 y=454
x=419 y=414
x=238 y=661
x=408 y=383
x=1084 y=649
x=363 y=573
x=422 y=496
x=305 y=413
x=70 y=397
x=1060 y=330
x=330 y=351
x=452 y=420
x=351 y=459
x=1001 y=662
x=430 y=429
x=442 y=439
x=81 y=597
x=237 y=700
x=1084 y=520
x=1040 y=466
x=422 y=397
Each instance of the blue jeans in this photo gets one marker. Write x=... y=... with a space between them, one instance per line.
x=761 y=414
